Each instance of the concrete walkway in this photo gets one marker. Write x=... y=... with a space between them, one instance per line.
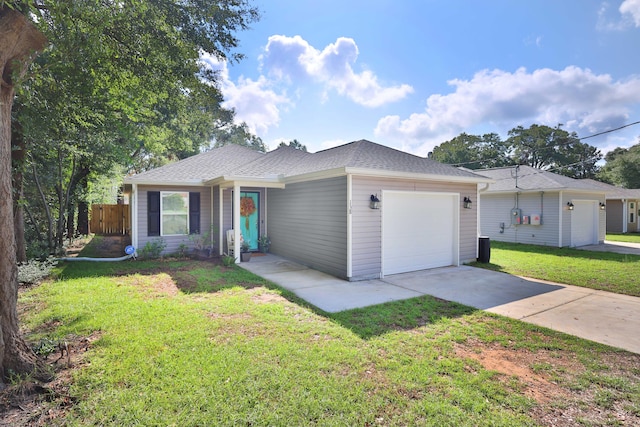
x=599 y=316
x=618 y=247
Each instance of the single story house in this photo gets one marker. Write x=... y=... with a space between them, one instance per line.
x=357 y=211
x=622 y=207
x=529 y=205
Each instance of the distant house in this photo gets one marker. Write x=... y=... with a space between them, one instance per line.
x=528 y=205
x=622 y=207
x=317 y=208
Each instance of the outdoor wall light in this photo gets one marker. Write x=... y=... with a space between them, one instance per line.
x=466 y=203
x=570 y=206
x=602 y=206
x=374 y=202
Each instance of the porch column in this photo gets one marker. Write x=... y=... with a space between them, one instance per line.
x=625 y=216
x=220 y=218
x=236 y=221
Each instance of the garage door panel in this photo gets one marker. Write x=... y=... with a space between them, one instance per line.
x=419 y=231
x=584 y=223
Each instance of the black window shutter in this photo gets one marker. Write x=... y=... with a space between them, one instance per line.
x=194 y=213
x=153 y=213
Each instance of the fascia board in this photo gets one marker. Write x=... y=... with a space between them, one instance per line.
x=418 y=176
x=149 y=182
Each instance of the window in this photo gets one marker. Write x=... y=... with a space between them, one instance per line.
x=632 y=212
x=174 y=213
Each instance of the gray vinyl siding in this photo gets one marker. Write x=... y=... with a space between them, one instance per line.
x=615 y=216
x=367 y=223
x=496 y=209
x=307 y=223
x=172 y=242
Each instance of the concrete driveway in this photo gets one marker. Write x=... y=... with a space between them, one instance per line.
x=618 y=247
x=599 y=316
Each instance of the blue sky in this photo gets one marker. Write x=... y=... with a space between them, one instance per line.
x=413 y=74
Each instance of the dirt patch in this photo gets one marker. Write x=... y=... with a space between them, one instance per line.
x=550 y=378
x=34 y=404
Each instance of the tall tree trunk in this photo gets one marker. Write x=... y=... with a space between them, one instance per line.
x=18 y=41
x=83 y=209
x=17 y=158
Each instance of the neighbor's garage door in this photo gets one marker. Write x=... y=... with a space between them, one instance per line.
x=584 y=223
x=419 y=231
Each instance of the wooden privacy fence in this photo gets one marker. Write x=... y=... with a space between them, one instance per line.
x=109 y=219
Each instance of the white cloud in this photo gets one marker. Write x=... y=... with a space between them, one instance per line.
x=632 y=8
x=294 y=59
x=253 y=100
x=583 y=101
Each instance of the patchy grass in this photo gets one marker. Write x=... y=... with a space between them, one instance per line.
x=627 y=237
x=607 y=271
x=193 y=343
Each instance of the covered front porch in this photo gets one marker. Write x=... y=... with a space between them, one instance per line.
x=239 y=210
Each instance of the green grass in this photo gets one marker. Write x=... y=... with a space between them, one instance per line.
x=233 y=349
x=607 y=271
x=627 y=237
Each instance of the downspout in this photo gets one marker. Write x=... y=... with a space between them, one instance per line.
x=220 y=219
x=625 y=216
x=134 y=215
x=560 y=217
x=349 y=226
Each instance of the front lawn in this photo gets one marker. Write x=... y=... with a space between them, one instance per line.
x=627 y=237
x=607 y=271
x=191 y=343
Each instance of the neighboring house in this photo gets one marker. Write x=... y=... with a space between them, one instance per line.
x=528 y=205
x=315 y=207
x=622 y=207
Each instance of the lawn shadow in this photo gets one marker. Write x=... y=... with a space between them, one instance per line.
x=403 y=315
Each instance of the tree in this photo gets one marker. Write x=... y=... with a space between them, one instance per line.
x=121 y=84
x=294 y=144
x=622 y=167
x=239 y=135
x=473 y=151
x=19 y=40
x=544 y=147
x=120 y=80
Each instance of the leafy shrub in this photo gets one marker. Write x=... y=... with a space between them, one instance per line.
x=153 y=249
x=228 y=260
x=33 y=271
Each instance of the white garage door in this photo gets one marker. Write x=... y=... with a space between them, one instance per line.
x=419 y=231
x=584 y=223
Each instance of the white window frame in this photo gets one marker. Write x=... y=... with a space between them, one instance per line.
x=162 y=213
x=632 y=212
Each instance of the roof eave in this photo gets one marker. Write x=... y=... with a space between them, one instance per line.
x=419 y=176
x=183 y=183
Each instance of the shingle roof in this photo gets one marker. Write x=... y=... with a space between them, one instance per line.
x=201 y=167
x=234 y=160
x=529 y=178
x=614 y=192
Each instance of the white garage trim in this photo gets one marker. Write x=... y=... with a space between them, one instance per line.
x=420 y=230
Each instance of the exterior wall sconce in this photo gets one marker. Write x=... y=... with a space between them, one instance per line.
x=570 y=206
x=375 y=202
x=466 y=202
x=602 y=206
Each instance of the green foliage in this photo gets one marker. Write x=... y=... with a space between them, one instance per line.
x=538 y=146
x=34 y=271
x=623 y=167
x=153 y=249
x=228 y=260
x=265 y=243
x=239 y=135
x=294 y=144
x=244 y=246
x=182 y=250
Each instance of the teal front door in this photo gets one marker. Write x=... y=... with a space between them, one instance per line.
x=250 y=218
